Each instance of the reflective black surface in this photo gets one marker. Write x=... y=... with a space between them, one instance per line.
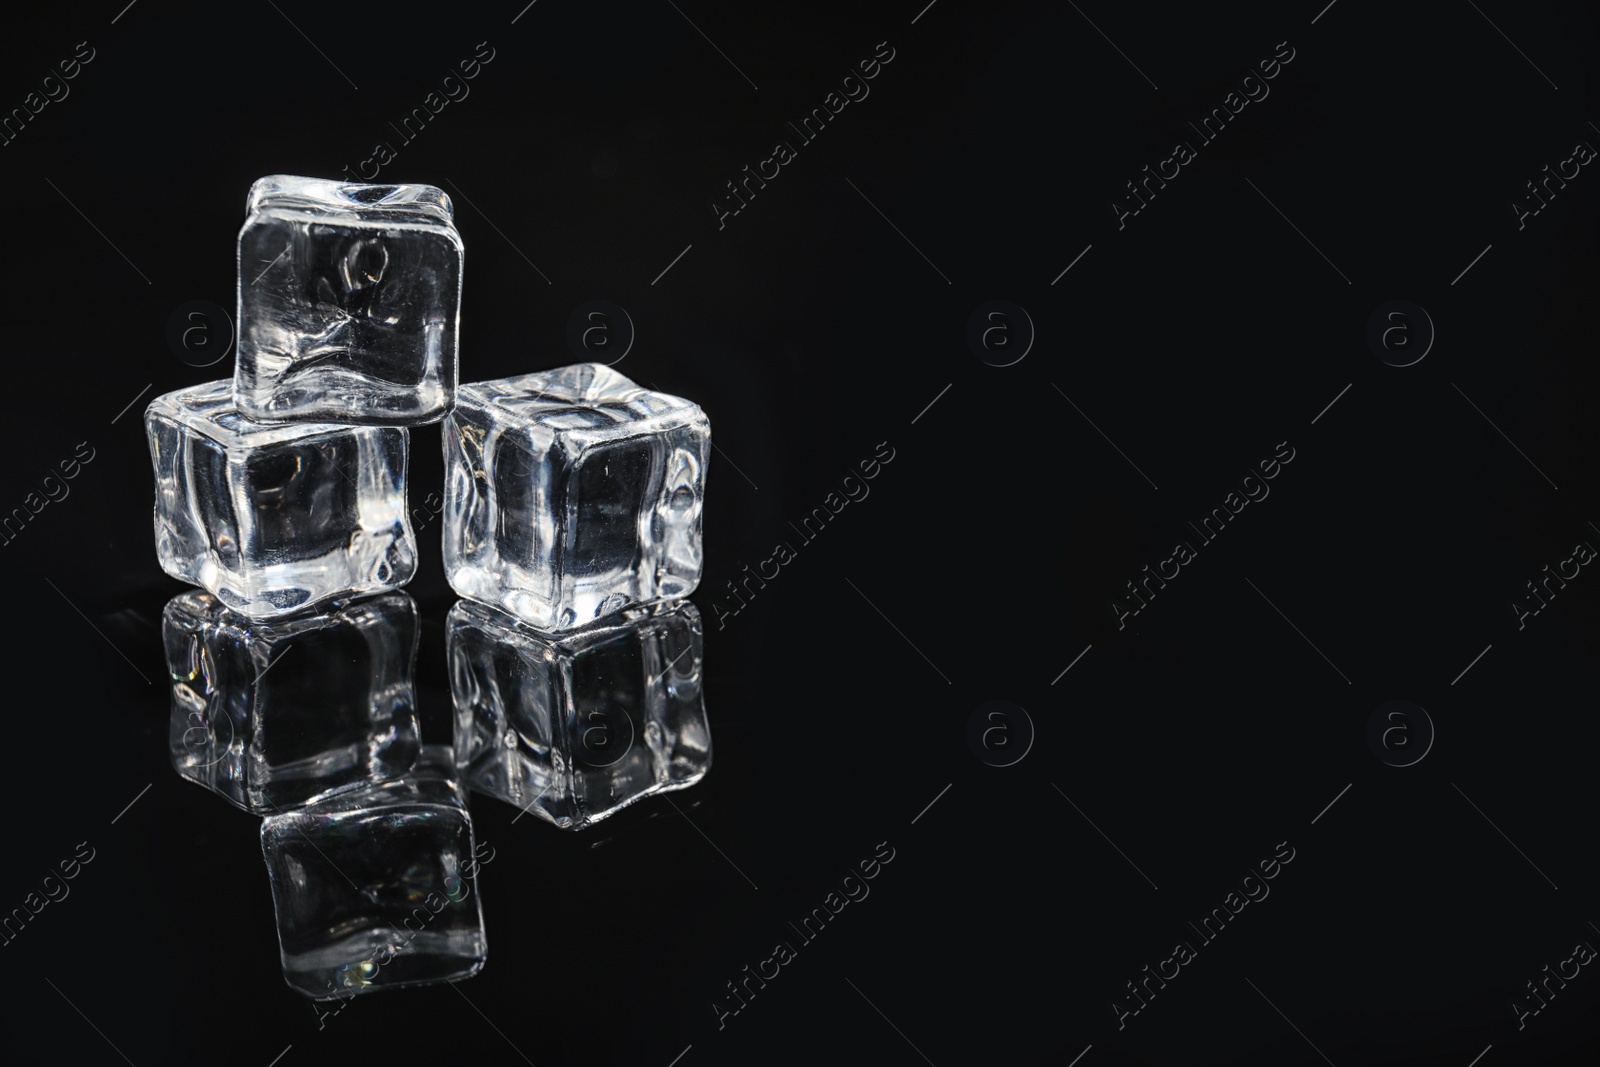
x=899 y=531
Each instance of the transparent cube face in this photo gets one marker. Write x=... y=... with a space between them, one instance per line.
x=572 y=494
x=338 y=714
x=276 y=518
x=349 y=302
x=377 y=888
x=576 y=727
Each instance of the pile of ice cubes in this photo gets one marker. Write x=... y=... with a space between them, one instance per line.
x=572 y=522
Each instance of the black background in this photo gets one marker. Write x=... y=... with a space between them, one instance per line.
x=1196 y=338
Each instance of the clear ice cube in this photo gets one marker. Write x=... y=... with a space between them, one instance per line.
x=338 y=715
x=572 y=493
x=349 y=301
x=274 y=518
x=378 y=888
x=576 y=726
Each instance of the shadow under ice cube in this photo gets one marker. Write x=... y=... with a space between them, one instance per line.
x=339 y=714
x=349 y=301
x=376 y=888
x=276 y=517
x=576 y=726
x=572 y=493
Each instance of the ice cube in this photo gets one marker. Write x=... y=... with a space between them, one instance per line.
x=274 y=518
x=576 y=726
x=338 y=715
x=572 y=493
x=349 y=298
x=378 y=888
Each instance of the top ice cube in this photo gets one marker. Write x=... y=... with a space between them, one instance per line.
x=349 y=301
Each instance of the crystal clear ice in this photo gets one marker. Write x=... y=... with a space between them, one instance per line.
x=349 y=302
x=275 y=518
x=378 y=888
x=572 y=493
x=577 y=726
x=571 y=518
x=339 y=715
